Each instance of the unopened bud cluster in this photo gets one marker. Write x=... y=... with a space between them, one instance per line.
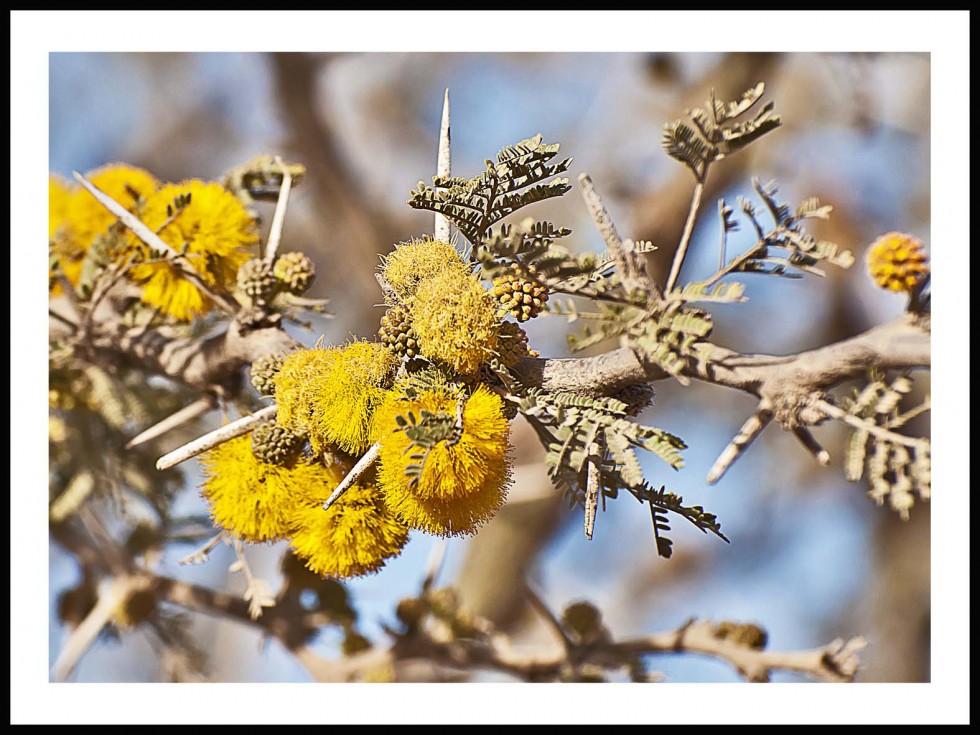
x=274 y=444
x=523 y=299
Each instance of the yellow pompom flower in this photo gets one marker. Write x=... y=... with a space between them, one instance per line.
x=455 y=319
x=463 y=477
x=76 y=218
x=59 y=197
x=355 y=536
x=458 y=517
x=413 y=262
x=127 y=185
x=216 y=230
x=256 y=501
x=60 y=244
x=897 y=261
x=330 y=394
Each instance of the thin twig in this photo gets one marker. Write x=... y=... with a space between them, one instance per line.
x=432 y=568
x=441 y=229
x=81 y=638
x=256 y=590
x=872 y=428
x=741 y=441
x=200 y=554
x=724 y=236
x=356 y=471
x=541 y=607
x=69 y=291
x=751 y=254
x=675 y=266
x=903 y=419
x=63 y=319
x=188 y=413
x=153 y=240
x=213 y=438
x=279 y=217
x=100 y=294
x=835 y=662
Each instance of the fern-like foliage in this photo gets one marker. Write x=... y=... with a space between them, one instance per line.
x=896 y=471
x=426 y=431
x=529 y=251
x=521 y=175
x=719 y=130
x=569 y=424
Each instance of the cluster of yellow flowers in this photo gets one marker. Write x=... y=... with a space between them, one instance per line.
x=258 y=502
x=442 y=463
x=76 y=219
x=201 y=220
x=453 y=316
x=897 y=262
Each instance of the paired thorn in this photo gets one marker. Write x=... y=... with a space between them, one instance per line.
x=213 y=438
x=592 y=486
x=188 y=413
x=443 y=168
x=356 y=471
x=600 y=215
x=279 y=217
x=812 y=445
x=742 y=440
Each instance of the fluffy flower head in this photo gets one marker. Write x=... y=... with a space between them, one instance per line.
x=897 y=261
x=455 y=320
x=330 y=394
x=216 y=229
x=254 y=500
x=413 y=262
x=444 y=484
x=355 y=536
x=76 y=218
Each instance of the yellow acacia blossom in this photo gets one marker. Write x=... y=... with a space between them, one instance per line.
x=213 y=230
x=59 y=196
x=455 y=320
x=330 y=394
x=897 y=261
x=256 y=501
x=355 y=536
x=127 y=185
x=413 y=262
x=60 y=244
x=463 y=478
x=76 y=218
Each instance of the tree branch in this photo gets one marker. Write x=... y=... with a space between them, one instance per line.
x=902 y=343
x=209 y=364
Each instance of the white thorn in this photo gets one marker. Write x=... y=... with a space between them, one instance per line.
x=443 y=167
